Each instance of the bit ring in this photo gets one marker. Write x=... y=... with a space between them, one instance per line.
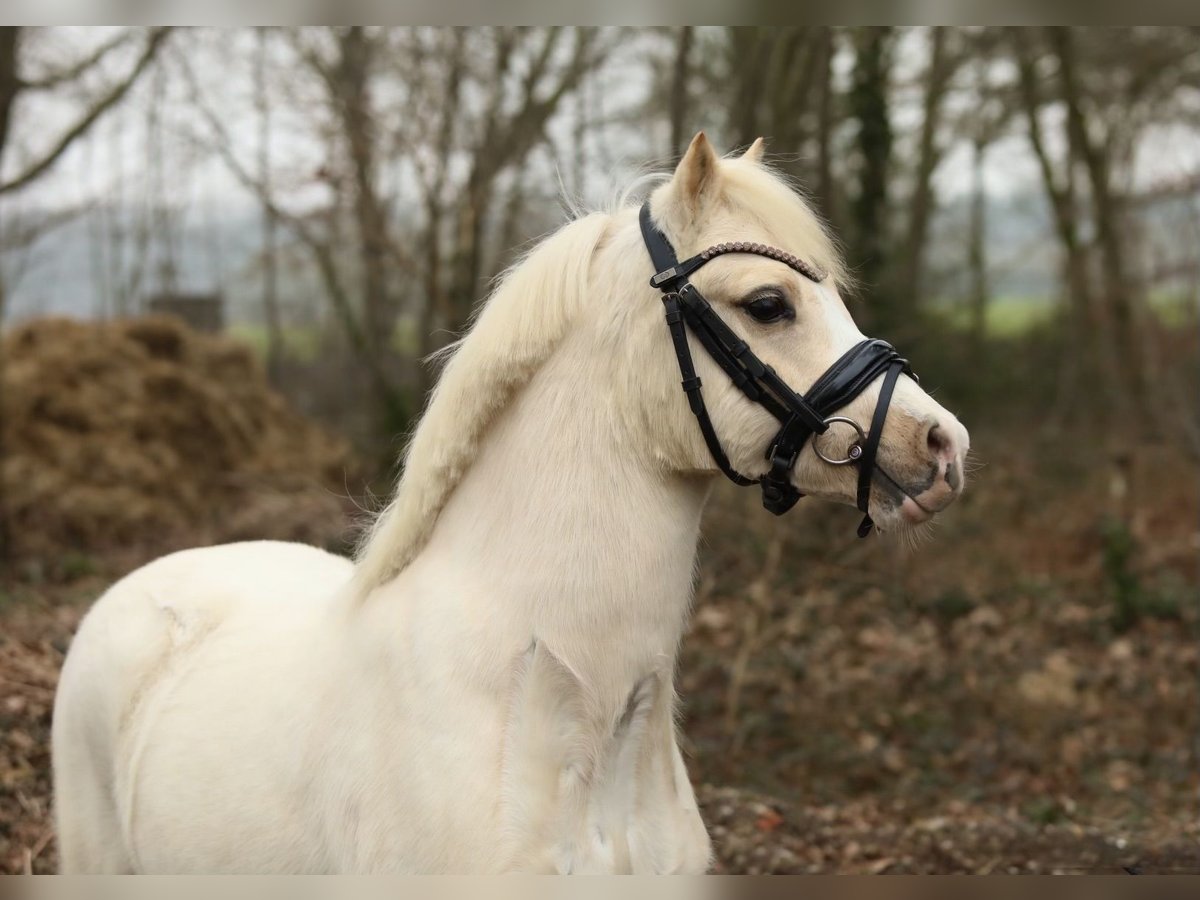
x=853 y=452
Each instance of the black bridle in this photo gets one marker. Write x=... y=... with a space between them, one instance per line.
x=800 y=415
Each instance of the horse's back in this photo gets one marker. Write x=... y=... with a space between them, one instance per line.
x=133 y=654
x=174 y=602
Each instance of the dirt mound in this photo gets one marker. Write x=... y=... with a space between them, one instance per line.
x=145 y=433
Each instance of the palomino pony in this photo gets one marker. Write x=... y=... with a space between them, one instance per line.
x=489 y=686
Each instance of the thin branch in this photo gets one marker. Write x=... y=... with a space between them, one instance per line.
x=105 y=103
x=72 y=73
x=323 y=252
x=23 y=235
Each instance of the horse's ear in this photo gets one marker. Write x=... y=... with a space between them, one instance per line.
x=696 y=176
x=754 y=153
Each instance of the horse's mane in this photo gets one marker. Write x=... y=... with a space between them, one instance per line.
x=516 y=330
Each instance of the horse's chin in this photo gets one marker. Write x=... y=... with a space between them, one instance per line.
x=906 y=520
x=913 y=512
x=894 y=517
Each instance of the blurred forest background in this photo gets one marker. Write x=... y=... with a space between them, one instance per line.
x=225 y=255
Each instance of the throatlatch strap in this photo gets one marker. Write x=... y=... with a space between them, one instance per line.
x=691 y=387
x=866 y=463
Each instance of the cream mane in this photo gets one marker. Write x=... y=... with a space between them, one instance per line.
x=518 y=328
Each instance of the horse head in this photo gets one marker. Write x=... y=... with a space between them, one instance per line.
x=753 y=253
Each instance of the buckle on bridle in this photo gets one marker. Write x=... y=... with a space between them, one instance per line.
x=661 y=278
x=778 y=493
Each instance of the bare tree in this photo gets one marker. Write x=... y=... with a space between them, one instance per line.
x=1113 y=83
x=870 y=108
x=986 y=114
x=16 y=79
x=502 y=138
x=1109 y=85
x=270 y=221
x=1094 y=153
x=12 y=84
x=348 y=78
x=462 y=111
x=307 y=228
x=826 y=197
x=434 y=170
x=943 y=60
x=1061 y=189
x=769 y=80
x=681 y=73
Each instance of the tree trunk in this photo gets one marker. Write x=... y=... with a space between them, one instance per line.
x=869 y=108
x=9 y=88
x=270 y=223
x=10 y=82
x=746 y=46
x=977 y=247
x=468 y=252
x=1080 y=367
x=354 y=104
x=434 y=302
x=680 y=76
x=1119 y=320
x=826 y=201
x=921 y=206
x=351 y=81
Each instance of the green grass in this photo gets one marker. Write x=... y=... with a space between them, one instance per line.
x=303 y=342
x=1014 y=315
x=300 y=342
x=1173 y=309
x=1008 y=316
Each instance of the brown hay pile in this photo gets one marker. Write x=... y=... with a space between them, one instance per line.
x=143 y=434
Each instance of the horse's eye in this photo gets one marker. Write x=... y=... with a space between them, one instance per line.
x=769 y=308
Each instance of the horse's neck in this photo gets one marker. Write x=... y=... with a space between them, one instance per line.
x=565 y=535
x=540 y=625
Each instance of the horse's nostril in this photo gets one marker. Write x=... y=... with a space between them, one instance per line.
x=941 y=445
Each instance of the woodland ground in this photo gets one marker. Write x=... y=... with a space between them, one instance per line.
x=1018 y=693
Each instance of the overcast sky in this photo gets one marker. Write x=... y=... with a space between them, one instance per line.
x=116 y=154
x=137 y=164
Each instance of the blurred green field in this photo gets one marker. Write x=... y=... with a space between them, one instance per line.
x=303 y=343
x=1008 y=316
x=1016 y=315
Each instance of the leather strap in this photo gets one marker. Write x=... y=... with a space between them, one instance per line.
x=691 y=387
x=866 y=462
x=662 y=254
